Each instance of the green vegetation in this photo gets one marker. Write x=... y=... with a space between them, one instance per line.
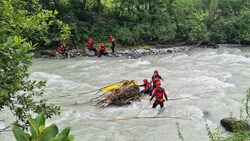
x=23 y=23
x=131 y=22
x=162 y=21
x=17 y=92
x=41 y=133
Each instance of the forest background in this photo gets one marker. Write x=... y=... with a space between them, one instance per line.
x=136 y=22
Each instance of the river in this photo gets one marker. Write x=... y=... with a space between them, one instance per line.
x=211 y=84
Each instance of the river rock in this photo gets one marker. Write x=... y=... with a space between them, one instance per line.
x=130 y=53
x=89 y=53
x=116 y=54
x=60 y=56
x=74 y=53
x=136 y=54
x=47 y=54
x=169 y=51
x=231 y=124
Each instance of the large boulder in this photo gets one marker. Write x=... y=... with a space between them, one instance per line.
x=136 y=54
x=232 y=124
x=69 y=54
x=88 y=52
x=60 y=56
x=47 y=54
x=74 y=53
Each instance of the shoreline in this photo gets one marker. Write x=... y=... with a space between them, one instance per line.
x=130 y=52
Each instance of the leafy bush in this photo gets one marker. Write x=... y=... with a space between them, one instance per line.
x=197 y=27
x=195 y=21
x=28 y=20
x=142 y=31
x=164 y=32
x=38 y=131
x=125 y=36
x=21 y=95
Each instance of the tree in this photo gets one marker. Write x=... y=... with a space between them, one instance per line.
x=17 y=92
x=21 y=23
x=27 y=19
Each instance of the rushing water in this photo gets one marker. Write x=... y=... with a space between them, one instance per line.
x=212 y=83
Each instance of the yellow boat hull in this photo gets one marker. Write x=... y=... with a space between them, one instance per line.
x=117 y=86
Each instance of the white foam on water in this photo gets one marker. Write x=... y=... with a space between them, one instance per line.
x=179 y=57
x=93 y=67
x=233 y=58
x=45 y=76
x=82 y=63
x=136 y=63
x=67 y=115
x=58 y=85
x=2 y=125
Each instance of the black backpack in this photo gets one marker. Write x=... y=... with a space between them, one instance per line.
x=160 y=90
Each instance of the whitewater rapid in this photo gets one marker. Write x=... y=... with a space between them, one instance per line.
x=207 y=85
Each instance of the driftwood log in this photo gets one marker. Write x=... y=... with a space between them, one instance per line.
x=122 y=96
x=232 y=124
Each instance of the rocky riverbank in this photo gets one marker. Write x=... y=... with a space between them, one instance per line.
x=130 y=53
x=135 y=52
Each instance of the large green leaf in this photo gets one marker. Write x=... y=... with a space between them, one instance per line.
x=48 y=133
x=33 y=128
x=40 y=120
x=71 y=138
x=19 y=134
x=41 y=128
x=65 y=132
x=63 y=136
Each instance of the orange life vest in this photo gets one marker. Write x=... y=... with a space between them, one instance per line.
x=102 y=48
x=159 y=92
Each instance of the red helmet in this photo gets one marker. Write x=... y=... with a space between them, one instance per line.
x=110 y=36
x=145 y=80
x=158 y=84
x=156 y=71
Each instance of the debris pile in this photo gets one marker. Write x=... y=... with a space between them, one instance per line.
x=121 y=94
